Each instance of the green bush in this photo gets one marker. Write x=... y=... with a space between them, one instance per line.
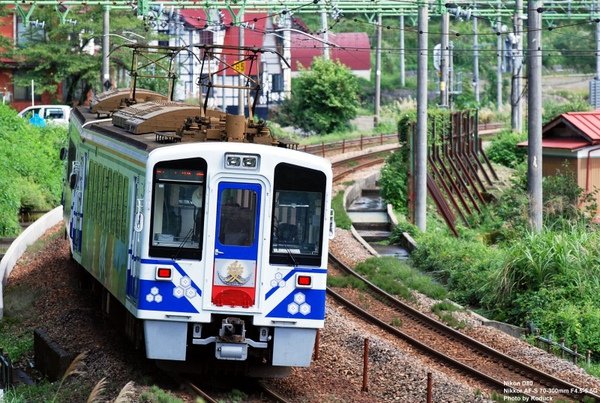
x=32 y=171
x=393 y=181
x=504 y=150
x=575 y=104
x=465 y=266
x=324 y=99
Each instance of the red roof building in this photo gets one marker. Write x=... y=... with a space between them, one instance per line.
x=269 y=70
x=571 y=141
x=352 y=49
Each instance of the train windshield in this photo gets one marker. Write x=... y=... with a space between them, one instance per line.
x=178 y=208
x=297 y=227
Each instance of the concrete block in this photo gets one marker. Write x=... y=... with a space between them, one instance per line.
x=50 y=358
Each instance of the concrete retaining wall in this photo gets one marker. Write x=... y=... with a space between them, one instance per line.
x=18 y=247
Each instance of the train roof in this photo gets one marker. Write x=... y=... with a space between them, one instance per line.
x=154 y=140
x=150 y=125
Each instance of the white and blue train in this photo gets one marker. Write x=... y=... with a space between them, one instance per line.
x=217 y=250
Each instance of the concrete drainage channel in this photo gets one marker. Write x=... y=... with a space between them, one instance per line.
x=372 y=219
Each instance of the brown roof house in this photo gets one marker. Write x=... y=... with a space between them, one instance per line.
x=573 y=140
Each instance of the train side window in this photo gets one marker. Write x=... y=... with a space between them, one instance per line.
x=178 y=200
x=297 y=227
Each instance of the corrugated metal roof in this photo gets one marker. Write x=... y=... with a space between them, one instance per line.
x=572 y=144
x=584 y=124
x=352 y=49
x=194 y=17
x=587 y=122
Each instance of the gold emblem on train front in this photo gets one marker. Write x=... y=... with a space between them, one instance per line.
x=235 y=274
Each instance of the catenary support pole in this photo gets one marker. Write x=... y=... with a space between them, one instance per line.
x=325 y=30
x=240 y=19
x=421 y=136
x=499 y=65
x=105 y=79
x=402 y=56
x=378 y=72
x=534 y=76
x=516 y=82
x=445 y=60
x=475 y=59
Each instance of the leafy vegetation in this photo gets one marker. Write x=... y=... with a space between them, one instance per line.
x=398 y=278
x=504 y=149
x=32 y=170
x=342 y=220
x=57 y=54
x=324 y=98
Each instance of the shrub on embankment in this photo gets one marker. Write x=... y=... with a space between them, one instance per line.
x=31 y=168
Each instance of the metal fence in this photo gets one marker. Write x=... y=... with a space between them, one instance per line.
x=6 y=370
x=559 y=348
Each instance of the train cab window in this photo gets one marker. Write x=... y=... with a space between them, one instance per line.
x=297 y=227
x=178 y=208
x=237 y=217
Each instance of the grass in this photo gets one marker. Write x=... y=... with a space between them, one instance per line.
x=398 y=278
x=444 y=311
x=157 y=395
x=342 y=220
x=592 y=368
x=345 y=282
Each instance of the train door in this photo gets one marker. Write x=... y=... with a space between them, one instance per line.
x=236 y=244
x=137 y=220
x=78 y=176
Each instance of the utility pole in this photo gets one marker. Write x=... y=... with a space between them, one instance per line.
x=241 y=57
x=402 y=68
x=534 y=76
x=105 y=79
x=499 y=64
x=445 y=60
x=378 y=72
x=325 y=29
x=475 y=59
x=420 y=143
x=517 y=88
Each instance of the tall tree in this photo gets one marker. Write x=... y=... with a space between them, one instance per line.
x=68 y=53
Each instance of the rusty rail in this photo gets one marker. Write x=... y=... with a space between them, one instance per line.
x=548 y=381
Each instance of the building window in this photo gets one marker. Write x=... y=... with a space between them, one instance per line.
x=277 y=85
x=24 y=93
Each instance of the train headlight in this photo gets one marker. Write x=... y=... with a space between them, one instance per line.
x=249 y=162
x=243 y=161
x=233 y=161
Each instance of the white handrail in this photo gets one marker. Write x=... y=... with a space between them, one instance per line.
x=19 y=246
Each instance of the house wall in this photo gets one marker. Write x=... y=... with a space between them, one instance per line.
x=577 y=164
x=590 y=181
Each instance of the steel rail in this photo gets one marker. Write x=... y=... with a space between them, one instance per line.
x=202 y=393
x=371 y=162
x=271 y=394
x=564 y=387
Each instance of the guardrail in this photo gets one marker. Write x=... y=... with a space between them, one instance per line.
x=345 y=145
x=31 y=234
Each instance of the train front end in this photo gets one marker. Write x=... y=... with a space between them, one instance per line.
x=230 y=259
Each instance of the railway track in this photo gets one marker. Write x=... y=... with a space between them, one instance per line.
x=352 y=164
x=256 y=391
x=470 y=357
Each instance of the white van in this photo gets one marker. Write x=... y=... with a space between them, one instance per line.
x=56 y=114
